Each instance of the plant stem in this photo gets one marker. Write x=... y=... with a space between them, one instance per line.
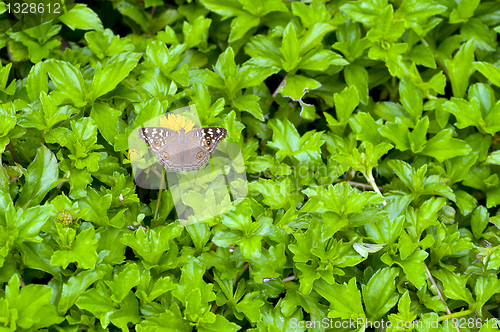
x=457 y=314
x=156 y=172
x=433 y=282
x=242 y=272
x=374 y=186
x=362 y=185
x=440 y=64
x=12 y=152
x=162 y=179
x=282 y=84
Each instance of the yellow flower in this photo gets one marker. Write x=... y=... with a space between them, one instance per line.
x=133 y=155
x=176 y=122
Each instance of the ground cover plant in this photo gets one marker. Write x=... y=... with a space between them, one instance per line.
x=369 y=131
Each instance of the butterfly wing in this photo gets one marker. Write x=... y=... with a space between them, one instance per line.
x=158 y=137
x=200 y=143
x=163 y=142
x=207 y=137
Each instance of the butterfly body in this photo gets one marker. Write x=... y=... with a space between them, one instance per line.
x=181 y=151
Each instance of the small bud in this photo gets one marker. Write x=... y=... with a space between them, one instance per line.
x=65 y=217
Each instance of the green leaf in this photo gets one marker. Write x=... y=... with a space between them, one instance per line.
x=105 y=43
x=464 y=11
x=106 y=119
x=37 y=81
x=69 y=83
x=128 y=313
x=123 y=282
x=114 y=71
x=492 y=122
x=269 y=264
x=197 y=33
x=417 y=137
x=41 y=177
x=37 y=256
x=250 y=306
x=460 y=68
x=77 y=284
x=455 y=285
x=411 y=98
x=151 y=109
x=489 y=71
x=313 y=37
x=479 y=221
x=345 y=103
x=398 y=133
x=287 y=142
x=465 y=202
x=192 y=278
x=29 y=223
x=97 y=301
x=357 y=76
x=290 y=49
x=393 y=112
x=108 y=241
x=384 y=230
x=32 y=298
x=264 y=7
x=81 y=17
x=379 y=294
x=413 y=265
x=275 y=193
x=483 y=38
x=220 y=324
x=82 y=252
x=404 y=315
x=442 y=146
x=365 y=12
x=467 y=114
x=52 y=115
x=297 y=85
x=485 y=288
x=250 y=75
x=422 y=55
x=345 y=299
x=152 y=245
x=250 y=104
x=366 y=128
x=310 y=14
x=169 y=320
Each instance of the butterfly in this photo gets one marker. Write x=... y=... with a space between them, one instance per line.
x=181 y=151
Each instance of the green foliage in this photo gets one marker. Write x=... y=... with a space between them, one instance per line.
x=370 y=135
